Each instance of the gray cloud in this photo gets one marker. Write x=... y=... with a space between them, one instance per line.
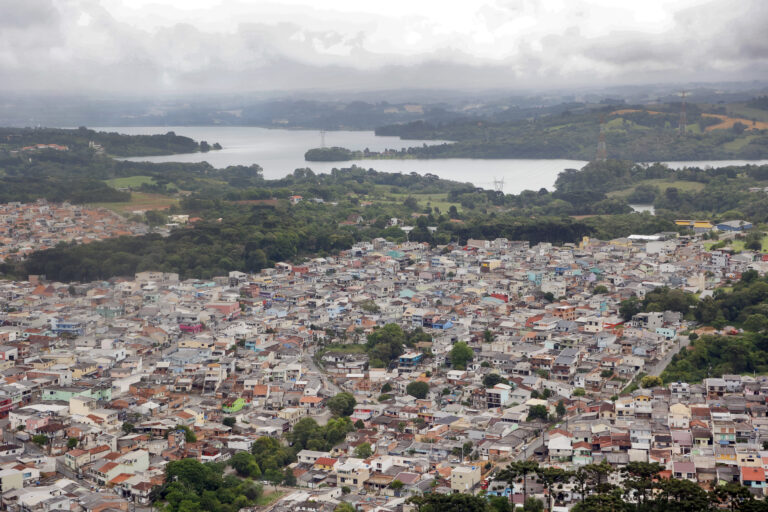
x=80 y=45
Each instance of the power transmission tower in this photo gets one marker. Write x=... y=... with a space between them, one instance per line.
x=683 y=118
x=322 y=138
x=602 y=152
x=498 y=184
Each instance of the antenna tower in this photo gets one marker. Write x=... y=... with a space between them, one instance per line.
x=602 y=152
x=683 y=118
x=322 y=138
x=498 y=184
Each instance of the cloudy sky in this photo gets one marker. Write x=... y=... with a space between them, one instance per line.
x=195 y=46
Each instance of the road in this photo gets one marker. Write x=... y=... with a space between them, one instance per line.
x=656 y=369
x=327 y=383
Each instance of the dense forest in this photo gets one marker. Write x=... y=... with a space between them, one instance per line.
x=631 y=133
x=744 y=306
x=116 y=144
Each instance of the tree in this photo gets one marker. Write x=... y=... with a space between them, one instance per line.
x=128 y=427
x=229 y=421
x=600 y=289
x=461 y=354
x=579 y=392
x=550 y=478
x=359 y=424
x=639 y=479
x=681 y=496
x=560 y=409
x=411 y=203
x=650 y=381
x=518 y=469
x=532 y=504
x=245 y=465
x=344 y=507
x=386 y=388
x=397 y=486
x=629 y=308
x=289 y=478
x=417 y=389
x=458 y=502
x=40 y=439
x=499 y=504
x=71 y=442
x=756 y=322
x=537 y=412
x=488 y=336
x=343 y=404
x=733 y=495
x=363 y=451
x=604 y=502
x=386 y=344
x=189 y=434
x=274 y=476
x=492 y=379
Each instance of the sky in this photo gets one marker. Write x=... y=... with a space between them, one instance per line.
x=138 y=47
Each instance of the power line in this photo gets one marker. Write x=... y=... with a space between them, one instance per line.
x=602 y=151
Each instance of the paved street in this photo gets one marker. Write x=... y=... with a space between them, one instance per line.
x=656 y=369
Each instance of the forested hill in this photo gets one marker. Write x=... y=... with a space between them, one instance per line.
x=116 y=144
x=638 y=133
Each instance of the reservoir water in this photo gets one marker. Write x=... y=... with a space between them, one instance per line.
x=280 y=152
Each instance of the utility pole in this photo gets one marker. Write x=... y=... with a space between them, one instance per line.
x=602 y=152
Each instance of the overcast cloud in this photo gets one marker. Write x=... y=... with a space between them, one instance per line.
x=147 y=46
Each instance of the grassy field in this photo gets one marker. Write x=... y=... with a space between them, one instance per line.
x=269 y=498
x=383 y=195
x=737 y=245
x=738 y=143
x=130 y=182
x=740 y=109
x=662 y=184
x=140 y=201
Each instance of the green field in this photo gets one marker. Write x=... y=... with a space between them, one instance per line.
x=140 y=201
x=741 y=110
x=662 y=184
x=440 y=200
x=269 y=497
x=130 y=182
x=739 y=143
x=736 y=245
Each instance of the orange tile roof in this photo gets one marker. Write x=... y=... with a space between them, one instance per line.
x=752 y=474
x=122 y=477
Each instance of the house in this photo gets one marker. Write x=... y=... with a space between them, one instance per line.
x=465 y=478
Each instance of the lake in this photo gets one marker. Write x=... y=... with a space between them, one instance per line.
x=280 y=152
